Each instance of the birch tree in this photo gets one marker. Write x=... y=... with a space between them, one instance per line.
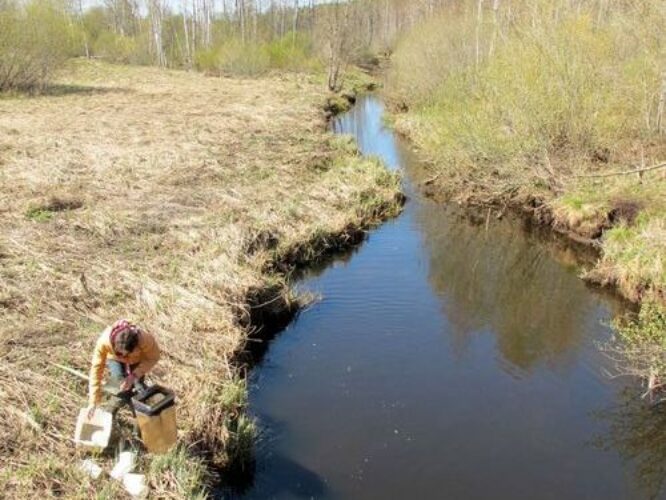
x=337 y=38
x=155 y=13
x=479 y=22
x=493 y=39
x=662 y=104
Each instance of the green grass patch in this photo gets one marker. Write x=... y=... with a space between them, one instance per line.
x=177 y=474
x=637 y=254
x=232 y=397
x=39 y=214
x=633 y=215
x=242 y=434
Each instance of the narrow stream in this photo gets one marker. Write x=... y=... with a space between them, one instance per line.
x=447 y=358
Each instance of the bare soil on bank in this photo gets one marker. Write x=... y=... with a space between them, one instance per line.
x=174 y=200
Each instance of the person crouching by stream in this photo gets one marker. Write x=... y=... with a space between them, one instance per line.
x=129 y=353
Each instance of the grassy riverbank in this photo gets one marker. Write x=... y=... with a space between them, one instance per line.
x=172 y=199
x=534 y=107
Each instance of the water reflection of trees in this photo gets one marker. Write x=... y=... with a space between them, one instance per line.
x=638 y=432
x=504 y=280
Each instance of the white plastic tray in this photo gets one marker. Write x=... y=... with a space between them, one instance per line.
x=93 y=433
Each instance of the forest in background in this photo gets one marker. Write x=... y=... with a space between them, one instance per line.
x=222 y=37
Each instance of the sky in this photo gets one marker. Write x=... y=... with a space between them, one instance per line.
x=176 y=5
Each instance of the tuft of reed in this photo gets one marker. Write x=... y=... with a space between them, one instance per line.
x=242 y=433
x=179 y=475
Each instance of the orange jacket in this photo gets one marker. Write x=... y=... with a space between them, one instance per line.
x=146 y=354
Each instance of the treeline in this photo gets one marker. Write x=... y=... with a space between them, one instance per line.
x=245 y=37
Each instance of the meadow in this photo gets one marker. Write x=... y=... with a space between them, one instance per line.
x=179 y=201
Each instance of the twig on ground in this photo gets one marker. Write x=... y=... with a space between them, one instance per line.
x=626 y=172
x=432 y=179
x=72 y=371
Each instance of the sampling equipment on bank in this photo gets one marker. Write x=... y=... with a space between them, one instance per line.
x=155 y=413
x=154 y=409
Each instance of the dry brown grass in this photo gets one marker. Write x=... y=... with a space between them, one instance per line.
x=162 y=197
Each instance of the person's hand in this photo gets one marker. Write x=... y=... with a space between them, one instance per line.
x=127 y=383
x=91 y=411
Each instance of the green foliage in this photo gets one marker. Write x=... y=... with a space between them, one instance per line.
x=551 y=80
x=534 y=97
x=173 y=35
x=649 y=326
x=634 y=253
x=642 y=341
x=105 y=40
x=242 y=433
x=35 y=40
x=232 y=57
x=346 y=145
x=638 y=252
x=39 y=214
x=38 y=36
x=207 y=60
x=116 y=48
x=232 y=397
x=336 y=104
x=293 y=52
x=95 y=22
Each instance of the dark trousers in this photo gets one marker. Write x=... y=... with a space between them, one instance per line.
x=118 y=372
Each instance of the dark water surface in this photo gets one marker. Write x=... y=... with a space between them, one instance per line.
x=447 y=359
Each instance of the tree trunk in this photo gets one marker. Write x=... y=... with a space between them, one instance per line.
x=283 y=15
x=207 y=14
x=186 y=32
x=240 y=7
x=294 y=23
x=155 y=13
x=493 y=39
x=86 y=46
x=312 y=18
x=255 y=20
x=194 y=26
x=662 y=105
x=479 y=22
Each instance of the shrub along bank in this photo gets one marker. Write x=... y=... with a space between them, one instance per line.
x=36 y=38
x=537 y=105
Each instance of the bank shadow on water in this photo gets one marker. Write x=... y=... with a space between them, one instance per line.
x=637 y=431
x=450 y=356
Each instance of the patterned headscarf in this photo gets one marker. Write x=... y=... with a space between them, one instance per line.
x=120 y=326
